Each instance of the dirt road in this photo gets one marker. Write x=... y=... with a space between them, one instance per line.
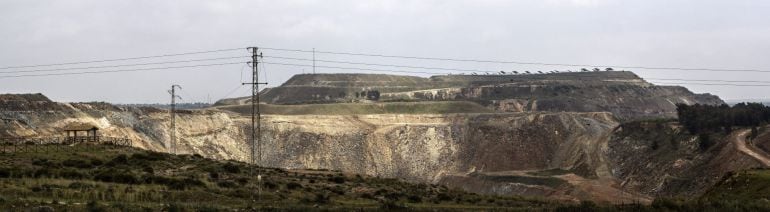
x=740 y=142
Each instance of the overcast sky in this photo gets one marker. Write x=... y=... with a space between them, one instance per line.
x=661 y=33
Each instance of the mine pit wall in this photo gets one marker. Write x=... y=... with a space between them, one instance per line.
x=209 y=133
x=419 y=148
x=427 y=147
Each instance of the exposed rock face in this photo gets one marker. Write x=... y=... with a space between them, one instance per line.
x=552 y=135
x=623 y=93
x=660 y=159
x=424 y=148
x=214 y=133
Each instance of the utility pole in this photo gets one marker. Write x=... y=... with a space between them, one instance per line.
x=313 y=60
x=255 y=117
x=172 y=146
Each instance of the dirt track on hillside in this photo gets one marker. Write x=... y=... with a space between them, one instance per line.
x=739 y=139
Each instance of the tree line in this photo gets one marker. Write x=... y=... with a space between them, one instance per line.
x=713 y=118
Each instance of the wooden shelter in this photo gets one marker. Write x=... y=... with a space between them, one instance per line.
x=80 y=132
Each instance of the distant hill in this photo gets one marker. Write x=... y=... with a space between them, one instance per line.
x=623 y=93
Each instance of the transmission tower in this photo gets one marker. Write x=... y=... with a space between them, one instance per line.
x=256 y=144
x=172 y=146
x=313 y=60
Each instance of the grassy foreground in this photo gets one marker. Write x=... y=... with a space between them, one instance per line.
x=112 y=178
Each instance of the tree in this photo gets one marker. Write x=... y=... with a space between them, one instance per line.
x=711 y=118
x=704 y=141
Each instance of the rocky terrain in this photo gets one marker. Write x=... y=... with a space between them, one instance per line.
x=662 y=159
x=534 y=135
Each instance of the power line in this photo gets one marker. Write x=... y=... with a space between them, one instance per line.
x=232 y=91
x=354 y=68
x=518 y=62
x=379 y=64
x=113 y=71
x=190 y=97
x=121 y=59
x=124 y=65
x=715 y=84
x=344 y=62
x=704 y=80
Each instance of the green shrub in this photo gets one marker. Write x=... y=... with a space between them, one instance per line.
x=231 y=168
x=443 y=197
x=71 y=174
x=664 y=203
x=175 y=183
x=43 y=172
x=96 y=162
x=704 y=141
x=587 y=204
x=148 y=169
x=44 y=163
x=293 y=185
x=94 y=206
x=391 y=205
x=149 y=156
x=393 y=196
x=414 y=199
x=321 y=198
x=185 y=183
x=116 y=176
x=5 y=173
x=118 y=160
x=214 y=175
x=77 y=163
x=80 y=185
x=337 y=179
x=337 y=190
x=243 y=180
x=270 y=185
x=227 y=184
x=367 y=196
